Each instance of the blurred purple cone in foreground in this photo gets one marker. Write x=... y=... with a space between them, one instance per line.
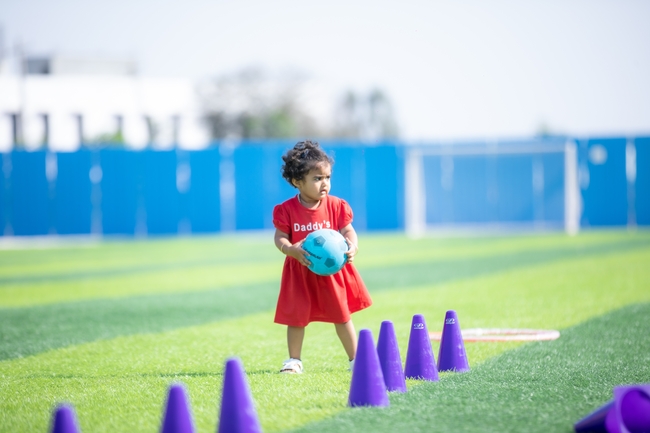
x=238 y=414
x=628 y=412
x=177 y=418
x=65 y=420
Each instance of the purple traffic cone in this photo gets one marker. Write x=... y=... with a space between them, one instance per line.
x=177 y=418
x=631 y=410
x=420 y=363
x=368 y=387
x=65 y=420
x=389 y=358
x=452 y=356
x=595 y=421
x=238 y=414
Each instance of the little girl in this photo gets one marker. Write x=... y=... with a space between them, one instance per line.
x=304 y=296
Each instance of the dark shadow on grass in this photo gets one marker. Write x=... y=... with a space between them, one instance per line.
x=31 y=330
x=27 y=331
x=538 y=387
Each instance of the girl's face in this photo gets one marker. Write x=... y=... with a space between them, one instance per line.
x=316 y=184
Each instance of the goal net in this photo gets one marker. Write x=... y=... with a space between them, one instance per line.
x=528 y=185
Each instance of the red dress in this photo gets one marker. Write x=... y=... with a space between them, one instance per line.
x=304 y=296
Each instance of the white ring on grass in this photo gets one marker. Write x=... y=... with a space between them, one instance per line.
x=503 y=334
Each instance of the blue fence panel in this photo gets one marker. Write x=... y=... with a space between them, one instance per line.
x=470 y=190
x=249 y=192
x=73 y=193
x=204 y=194
x=642 y=185
x=515 y=188
x=605 y=197
x=276 y=188
x=164 y=192
x=161 y=197
x=384 y=184
x=5 y=192
x=342 y=182
x=30 y=203
x=121 y=187
x=259 y=184
x=552 y=209
x=349 y=180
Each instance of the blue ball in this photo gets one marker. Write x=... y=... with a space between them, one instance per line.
x=326 y=250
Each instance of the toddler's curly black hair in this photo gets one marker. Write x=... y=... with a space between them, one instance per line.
x=304 y=156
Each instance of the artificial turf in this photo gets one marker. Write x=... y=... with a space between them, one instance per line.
x=195 y=299
x=113 y=346
x=538 y=387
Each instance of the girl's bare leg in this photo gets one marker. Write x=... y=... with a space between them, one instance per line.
x=295 y=336
x=348 y=337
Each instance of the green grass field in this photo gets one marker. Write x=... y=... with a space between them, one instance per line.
x=109 y=326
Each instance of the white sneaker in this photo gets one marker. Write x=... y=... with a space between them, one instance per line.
x=352 y=365
x=292 y=366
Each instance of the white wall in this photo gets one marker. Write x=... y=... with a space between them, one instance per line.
x=100 y=99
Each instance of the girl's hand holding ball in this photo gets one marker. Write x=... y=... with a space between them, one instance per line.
x=298 y=253
x=353 y=249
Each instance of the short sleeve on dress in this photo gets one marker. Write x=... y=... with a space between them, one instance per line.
x=281 y=219
x=345 y=215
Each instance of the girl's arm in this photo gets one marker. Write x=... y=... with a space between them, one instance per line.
x=350 y=236
x=283 y=243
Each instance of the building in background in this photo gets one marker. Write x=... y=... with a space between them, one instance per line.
x=64 y=103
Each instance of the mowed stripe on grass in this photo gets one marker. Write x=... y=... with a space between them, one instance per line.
x=121 y=269
x=120 y=384
x=217 y=292
x=27 y=331
x=113 y=270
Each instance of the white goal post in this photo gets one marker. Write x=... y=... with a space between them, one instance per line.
x=415 y=197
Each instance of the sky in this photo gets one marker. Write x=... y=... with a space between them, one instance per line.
x=453 y=69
